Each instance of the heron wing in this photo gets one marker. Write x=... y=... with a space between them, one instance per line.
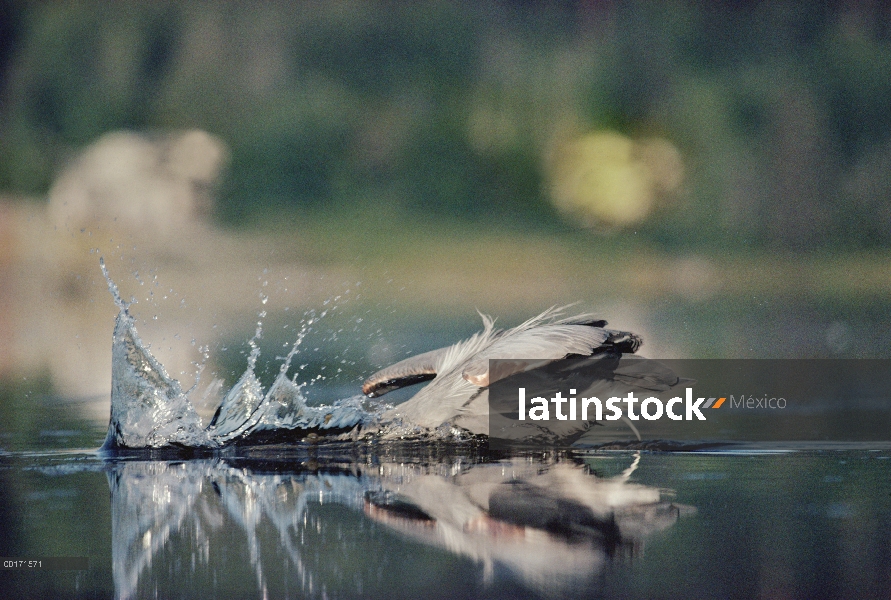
x=525 y=349
x=413 y=370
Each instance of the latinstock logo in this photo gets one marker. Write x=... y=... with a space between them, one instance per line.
x=584 y=409
x=600 y=400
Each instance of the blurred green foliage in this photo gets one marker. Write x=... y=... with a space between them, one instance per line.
x=780 y=110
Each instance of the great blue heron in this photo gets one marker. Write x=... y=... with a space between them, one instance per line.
x=459 y=374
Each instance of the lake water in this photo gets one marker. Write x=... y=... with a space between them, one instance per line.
x=436 y=519
x=450 y=521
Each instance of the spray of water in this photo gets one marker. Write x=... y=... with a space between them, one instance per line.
x=148 y=407
x=150 y=410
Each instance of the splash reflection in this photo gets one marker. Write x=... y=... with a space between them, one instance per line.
x=283 y=528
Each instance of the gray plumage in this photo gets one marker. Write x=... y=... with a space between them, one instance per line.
x=459 y=374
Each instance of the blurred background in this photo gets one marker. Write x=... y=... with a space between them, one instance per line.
x=364 y=176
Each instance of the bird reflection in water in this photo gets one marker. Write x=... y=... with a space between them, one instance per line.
x=199 y=526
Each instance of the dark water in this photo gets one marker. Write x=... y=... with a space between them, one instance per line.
x=437 y=520
x=406 y=521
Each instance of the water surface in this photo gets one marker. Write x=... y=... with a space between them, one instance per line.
x=176 y=508
x=451 y=521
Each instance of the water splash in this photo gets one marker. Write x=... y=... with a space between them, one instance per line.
x=113 y=287
x=235 y=415
x=148 y=407
x=150 y=410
